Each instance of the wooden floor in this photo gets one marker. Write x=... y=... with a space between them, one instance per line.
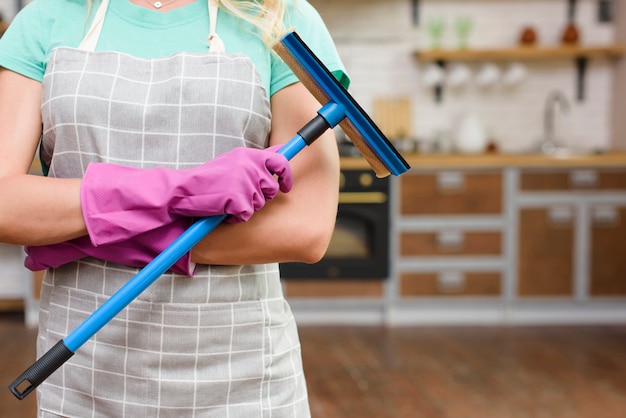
x=466 y=372
x=363 y=372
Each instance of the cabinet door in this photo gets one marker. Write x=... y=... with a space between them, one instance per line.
x=545 y=264
x=608 y=251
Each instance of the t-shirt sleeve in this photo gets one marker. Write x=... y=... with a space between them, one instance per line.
x=308 y=24
x=22 y=47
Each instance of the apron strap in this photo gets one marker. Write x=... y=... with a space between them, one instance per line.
x=215 y=42
x=90 y=40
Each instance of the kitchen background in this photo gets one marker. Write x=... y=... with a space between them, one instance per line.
x=490 y=238
x=423 y=107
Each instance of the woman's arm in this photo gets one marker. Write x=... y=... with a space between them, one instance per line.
x=34 y=210
x=295 y=226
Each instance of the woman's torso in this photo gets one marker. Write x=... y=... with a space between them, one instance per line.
x=222 y=342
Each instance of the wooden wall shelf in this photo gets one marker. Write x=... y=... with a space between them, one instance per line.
x=523 y=53
x=580 y=54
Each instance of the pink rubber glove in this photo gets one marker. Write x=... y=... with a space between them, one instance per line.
x=119 y=202
x=136 y=252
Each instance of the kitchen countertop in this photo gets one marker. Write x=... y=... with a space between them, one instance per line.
x=432 y=161
x=454 y=161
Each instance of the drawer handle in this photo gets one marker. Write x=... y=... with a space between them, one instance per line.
x=451 y=282
x=362 y=197
x=450 y=240
x=448 y=181
x=560 y=215
x=584 y=178
x=606 y=216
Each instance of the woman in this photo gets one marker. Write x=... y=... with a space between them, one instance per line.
x=146 y=123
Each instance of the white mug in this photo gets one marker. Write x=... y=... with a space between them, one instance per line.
x=433 y=75
x=488 y=75
x=458 y=76
x=515 y=74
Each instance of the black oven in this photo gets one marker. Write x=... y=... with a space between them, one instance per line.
x=359 y=248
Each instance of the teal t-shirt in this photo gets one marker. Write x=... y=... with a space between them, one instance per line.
x=45 y=24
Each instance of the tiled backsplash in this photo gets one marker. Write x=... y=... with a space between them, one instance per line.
x=377 y=40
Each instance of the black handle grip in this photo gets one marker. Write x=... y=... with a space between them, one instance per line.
x=40 y=370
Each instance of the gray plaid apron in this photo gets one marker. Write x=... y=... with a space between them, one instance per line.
x=221 y=344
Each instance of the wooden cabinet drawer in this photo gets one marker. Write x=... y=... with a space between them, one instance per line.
x=579 y=179
x=451 y=284
x=450 y=243
x=305 y=288
x=451 y=193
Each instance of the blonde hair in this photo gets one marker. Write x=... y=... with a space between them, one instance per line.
x=265 y=15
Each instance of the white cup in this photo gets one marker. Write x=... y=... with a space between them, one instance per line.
x=458 y=76
x=515 y=74
x=488 y=76
x=433 y=75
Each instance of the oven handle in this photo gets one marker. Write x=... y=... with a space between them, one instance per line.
x=362 y=197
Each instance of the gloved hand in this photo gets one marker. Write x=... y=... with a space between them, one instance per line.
x=119 y=202
x=138 y=251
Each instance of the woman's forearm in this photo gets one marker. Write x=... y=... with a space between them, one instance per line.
x=36 y=210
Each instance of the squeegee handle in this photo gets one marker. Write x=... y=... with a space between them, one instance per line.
x=328 y=116
x=65 y=349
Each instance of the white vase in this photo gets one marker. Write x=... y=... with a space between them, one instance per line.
x=471 y=136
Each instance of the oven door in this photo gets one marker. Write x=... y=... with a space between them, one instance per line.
x=359 y=247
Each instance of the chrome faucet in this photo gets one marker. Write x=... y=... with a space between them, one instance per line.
x=549 y=144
